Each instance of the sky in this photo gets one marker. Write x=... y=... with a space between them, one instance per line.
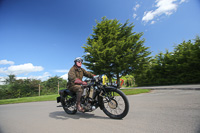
x=41 y=38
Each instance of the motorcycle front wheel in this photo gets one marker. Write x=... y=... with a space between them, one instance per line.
x=116 y=104
x=69 y=104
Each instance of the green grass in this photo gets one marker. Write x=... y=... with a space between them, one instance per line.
x=135 y=91
x=29 y=99
x=53 y=97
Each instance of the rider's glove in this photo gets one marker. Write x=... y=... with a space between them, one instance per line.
x=84 y=83
x=79 y=82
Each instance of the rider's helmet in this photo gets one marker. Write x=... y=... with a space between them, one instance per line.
x=78 y=59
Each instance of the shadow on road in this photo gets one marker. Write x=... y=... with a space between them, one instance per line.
x=198 y=129
x=63 y=116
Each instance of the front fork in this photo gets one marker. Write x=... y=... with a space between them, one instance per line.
x=100 y=99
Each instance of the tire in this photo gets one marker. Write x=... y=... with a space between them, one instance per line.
x=116 y=104
x=69 y=104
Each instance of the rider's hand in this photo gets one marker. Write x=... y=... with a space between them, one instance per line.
x=84 y=83
x=93 y=78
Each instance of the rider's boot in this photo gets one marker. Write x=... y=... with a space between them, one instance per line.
x=78 y=104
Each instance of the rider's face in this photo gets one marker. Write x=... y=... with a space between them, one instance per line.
x=79 y=63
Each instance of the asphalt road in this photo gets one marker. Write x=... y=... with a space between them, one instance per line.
x=161 y=111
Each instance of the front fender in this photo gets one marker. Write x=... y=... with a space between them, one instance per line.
x=108 y=88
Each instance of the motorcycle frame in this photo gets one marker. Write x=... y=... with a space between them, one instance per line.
x=104 y=88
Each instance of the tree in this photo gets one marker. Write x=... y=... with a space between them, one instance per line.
x=113 y=49
x=52 y=84
x=129 y=80
x=11 y=79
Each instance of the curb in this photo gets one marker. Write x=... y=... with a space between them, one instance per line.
x=170 y=87
x=174 y=88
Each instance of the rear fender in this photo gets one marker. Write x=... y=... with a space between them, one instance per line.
x=66 y=92
x=58 y=99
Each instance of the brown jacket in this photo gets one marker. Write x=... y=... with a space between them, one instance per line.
x=75 y=73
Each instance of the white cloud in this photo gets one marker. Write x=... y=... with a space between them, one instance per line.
x=44 y=77
x=148 y=16
x=65 y=76
x=134 y=15
x=87 y=53
x=22 y=78
x=21 y=69
x=3 y=70
x=182 y=1
x=136 y=7
x=152 y=22
x=5 y=62
x=25 y=68
x=2 y=79
x=163 y=7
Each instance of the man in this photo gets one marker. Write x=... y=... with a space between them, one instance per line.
x=75 y=76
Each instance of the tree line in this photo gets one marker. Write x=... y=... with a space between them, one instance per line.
x=181 y=66
x=16 y=88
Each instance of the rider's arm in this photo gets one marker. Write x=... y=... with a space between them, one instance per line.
x=87 y=74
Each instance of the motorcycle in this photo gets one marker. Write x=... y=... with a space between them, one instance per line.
x=110 y=99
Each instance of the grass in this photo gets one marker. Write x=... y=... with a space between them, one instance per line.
x=53 y=97
x=29 y=99
x=135 y=91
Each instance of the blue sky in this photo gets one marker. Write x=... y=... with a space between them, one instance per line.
x=40 y=38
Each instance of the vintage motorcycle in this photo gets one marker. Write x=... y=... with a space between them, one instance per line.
x=110 y=99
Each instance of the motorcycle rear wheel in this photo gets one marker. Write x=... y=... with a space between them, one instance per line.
x=116 y=104
x=69 y=105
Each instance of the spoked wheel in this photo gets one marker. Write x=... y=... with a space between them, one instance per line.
x=69 y=104
x=116 y=104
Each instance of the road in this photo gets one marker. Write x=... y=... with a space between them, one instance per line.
x=161 y=111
